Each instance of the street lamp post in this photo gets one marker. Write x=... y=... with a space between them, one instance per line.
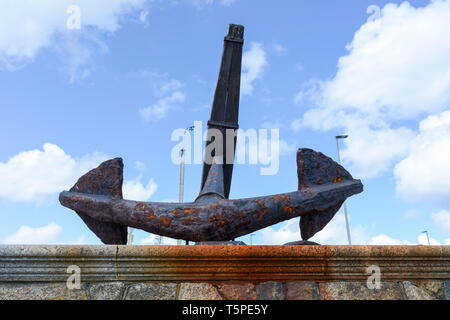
x=345 y=205
x=130 y=236
x=428 y=238
x=180 y=197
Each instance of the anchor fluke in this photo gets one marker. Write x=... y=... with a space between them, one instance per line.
x=106 y=180
x=315 y=169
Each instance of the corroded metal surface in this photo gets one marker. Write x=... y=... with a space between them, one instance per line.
x=225 y=108
x=219 y=219
x=105 y=180
x=223 y=263
x=214 y=184
x=323 y=184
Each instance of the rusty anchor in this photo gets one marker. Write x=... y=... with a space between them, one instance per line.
x=323 y=186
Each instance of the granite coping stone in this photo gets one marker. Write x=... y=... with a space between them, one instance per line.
x=209 y=263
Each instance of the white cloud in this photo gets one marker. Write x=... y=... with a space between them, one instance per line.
x=27 y=27
x=140 y=166
x=49 y=234
x=279 y=48
x=287 y=148
x=287 y=232
x=296 y=125
x=422 y=239
x=253 y=63
x=425 y=173
x=388 y=77
x=201 y=3
x=77 y=54
x=411 y=214
x=385 y=240
x=31 y=176
x=169 y=87
x=334 y=233
x=143 y=18
x=170 y=95
x=371 y=151
x=27 y=235
x=258 y=147
x=161 y=108
x=442 y=219
x=135 y=190
x=372 y=146
x=154 y=239
x=80 y=241
x=34 y=176
x=390 y=70
x=263 y=147
x=226 y=2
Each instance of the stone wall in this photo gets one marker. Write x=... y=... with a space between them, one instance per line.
x=225 y=272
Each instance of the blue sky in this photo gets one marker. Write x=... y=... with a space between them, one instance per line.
x=137 y=70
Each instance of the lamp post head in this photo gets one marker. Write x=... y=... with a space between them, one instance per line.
x=342 y=137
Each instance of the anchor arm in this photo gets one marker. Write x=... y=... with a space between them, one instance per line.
x=323 y=186
x=218 y=220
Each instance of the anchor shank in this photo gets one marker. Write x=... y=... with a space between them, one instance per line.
x=225 y=110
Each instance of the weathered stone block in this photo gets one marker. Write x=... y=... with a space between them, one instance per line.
x=106 y=291
x=358 y=291
x=434 y=288
x=198 y=291
x=447 y=289
x=302 y=290
x=415 y=293
x=40 y=272
x=246 y=291
x=151 y=291
x=40 y=291
x=271 y=291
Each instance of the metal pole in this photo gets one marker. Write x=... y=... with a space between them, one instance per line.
x=345 y=205
x=130 y=236
x=428 y=238
x=181 y=194
x=180 y=197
